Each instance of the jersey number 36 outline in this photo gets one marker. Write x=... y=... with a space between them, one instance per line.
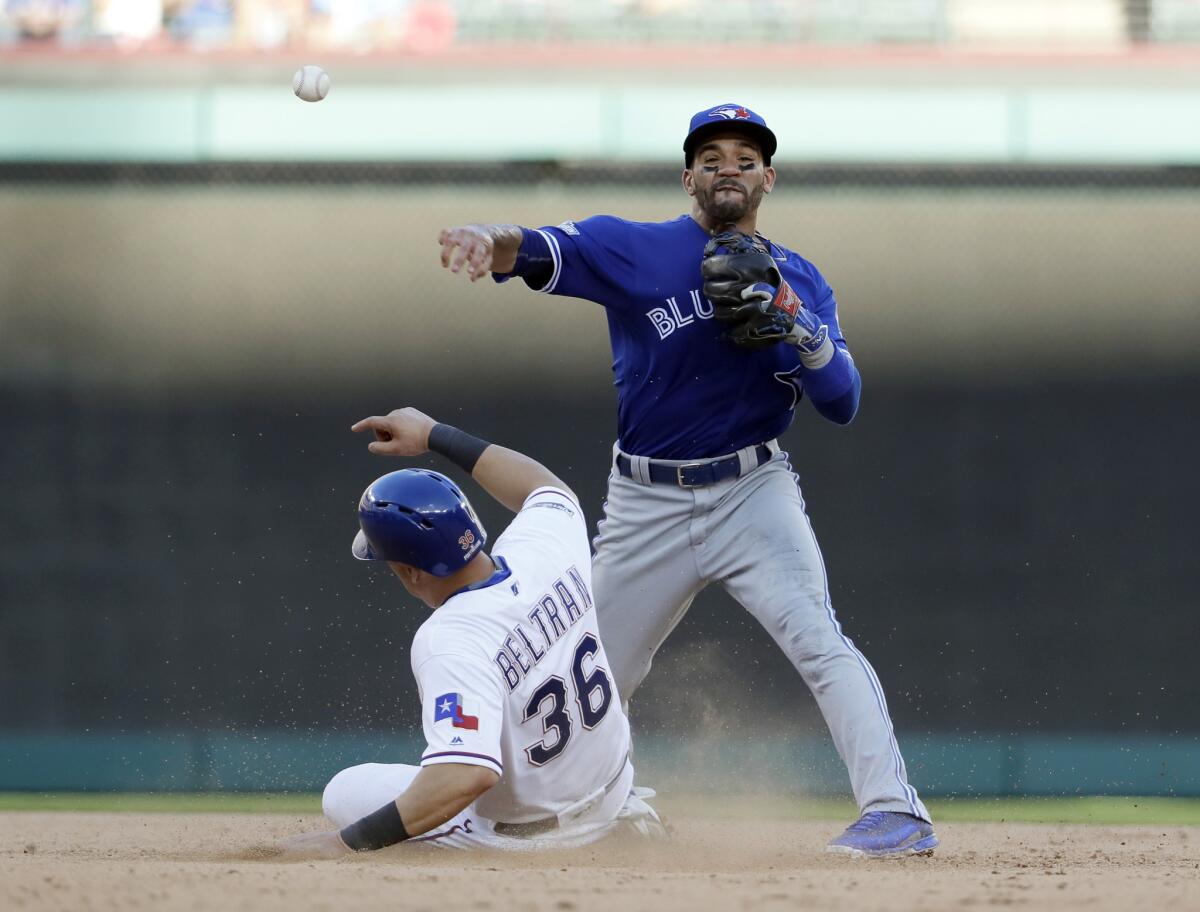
x=557 y=718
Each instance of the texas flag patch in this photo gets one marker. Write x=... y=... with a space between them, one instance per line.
x=450 y=706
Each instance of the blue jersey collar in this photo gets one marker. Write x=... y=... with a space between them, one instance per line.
x=499 y=575
x=773 y=248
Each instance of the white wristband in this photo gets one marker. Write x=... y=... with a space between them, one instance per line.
x=819 y=358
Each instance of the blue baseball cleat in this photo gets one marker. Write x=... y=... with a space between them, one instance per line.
x=881 y=834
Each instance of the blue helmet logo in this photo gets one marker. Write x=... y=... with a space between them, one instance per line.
x=729 y=113
x=418 y=517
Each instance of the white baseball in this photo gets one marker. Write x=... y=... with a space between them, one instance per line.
x=311 y=83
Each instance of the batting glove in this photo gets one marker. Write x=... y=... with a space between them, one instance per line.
x=811 y=338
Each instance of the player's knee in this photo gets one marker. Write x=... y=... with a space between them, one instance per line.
x=811 y=636
x=338 y=797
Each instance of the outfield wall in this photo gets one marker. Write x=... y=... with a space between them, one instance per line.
x=591 y=122
x=612 y=104
x=940 y=766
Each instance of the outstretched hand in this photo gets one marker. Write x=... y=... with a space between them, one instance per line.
x=468 y=245
x=403 y=432
x=313 y=847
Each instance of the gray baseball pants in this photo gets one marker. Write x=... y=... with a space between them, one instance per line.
x=659 y=545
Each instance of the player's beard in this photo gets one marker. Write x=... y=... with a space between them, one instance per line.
x=732 y=207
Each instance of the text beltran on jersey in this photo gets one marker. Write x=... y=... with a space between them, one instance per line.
x=450 y=706
x=555 y=612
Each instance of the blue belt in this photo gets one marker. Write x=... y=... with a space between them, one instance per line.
x=694 y=474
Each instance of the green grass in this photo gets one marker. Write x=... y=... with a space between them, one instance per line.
x=1093 y=810
x=1107 y=810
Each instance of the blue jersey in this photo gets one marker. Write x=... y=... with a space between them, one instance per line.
x=684 y=391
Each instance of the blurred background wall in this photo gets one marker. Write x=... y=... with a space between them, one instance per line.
x=204 y=282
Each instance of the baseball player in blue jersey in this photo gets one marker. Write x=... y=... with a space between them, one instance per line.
x=717 y=334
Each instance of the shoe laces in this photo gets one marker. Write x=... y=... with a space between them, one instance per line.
x=866 y=823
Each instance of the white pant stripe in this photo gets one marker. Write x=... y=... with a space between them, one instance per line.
x=880 y=700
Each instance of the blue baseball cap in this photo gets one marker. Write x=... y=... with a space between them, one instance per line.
x=729 y=117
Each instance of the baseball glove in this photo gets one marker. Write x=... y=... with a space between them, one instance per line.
x=743 y=283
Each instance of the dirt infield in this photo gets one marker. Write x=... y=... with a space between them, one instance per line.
x=79 y=861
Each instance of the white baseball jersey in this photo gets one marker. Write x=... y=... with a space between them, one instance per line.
x=513 y=677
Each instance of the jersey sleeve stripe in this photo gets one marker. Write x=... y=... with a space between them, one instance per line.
x=456 y=757
x=556 y=257
x=539 y=492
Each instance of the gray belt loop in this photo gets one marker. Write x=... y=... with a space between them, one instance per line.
x=640 y=466
x=773 y=446
x=747 y=460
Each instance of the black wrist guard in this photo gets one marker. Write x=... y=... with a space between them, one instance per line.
x=458 y=446
x=382 y=828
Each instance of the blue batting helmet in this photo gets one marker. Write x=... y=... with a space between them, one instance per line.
x=420 y=518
